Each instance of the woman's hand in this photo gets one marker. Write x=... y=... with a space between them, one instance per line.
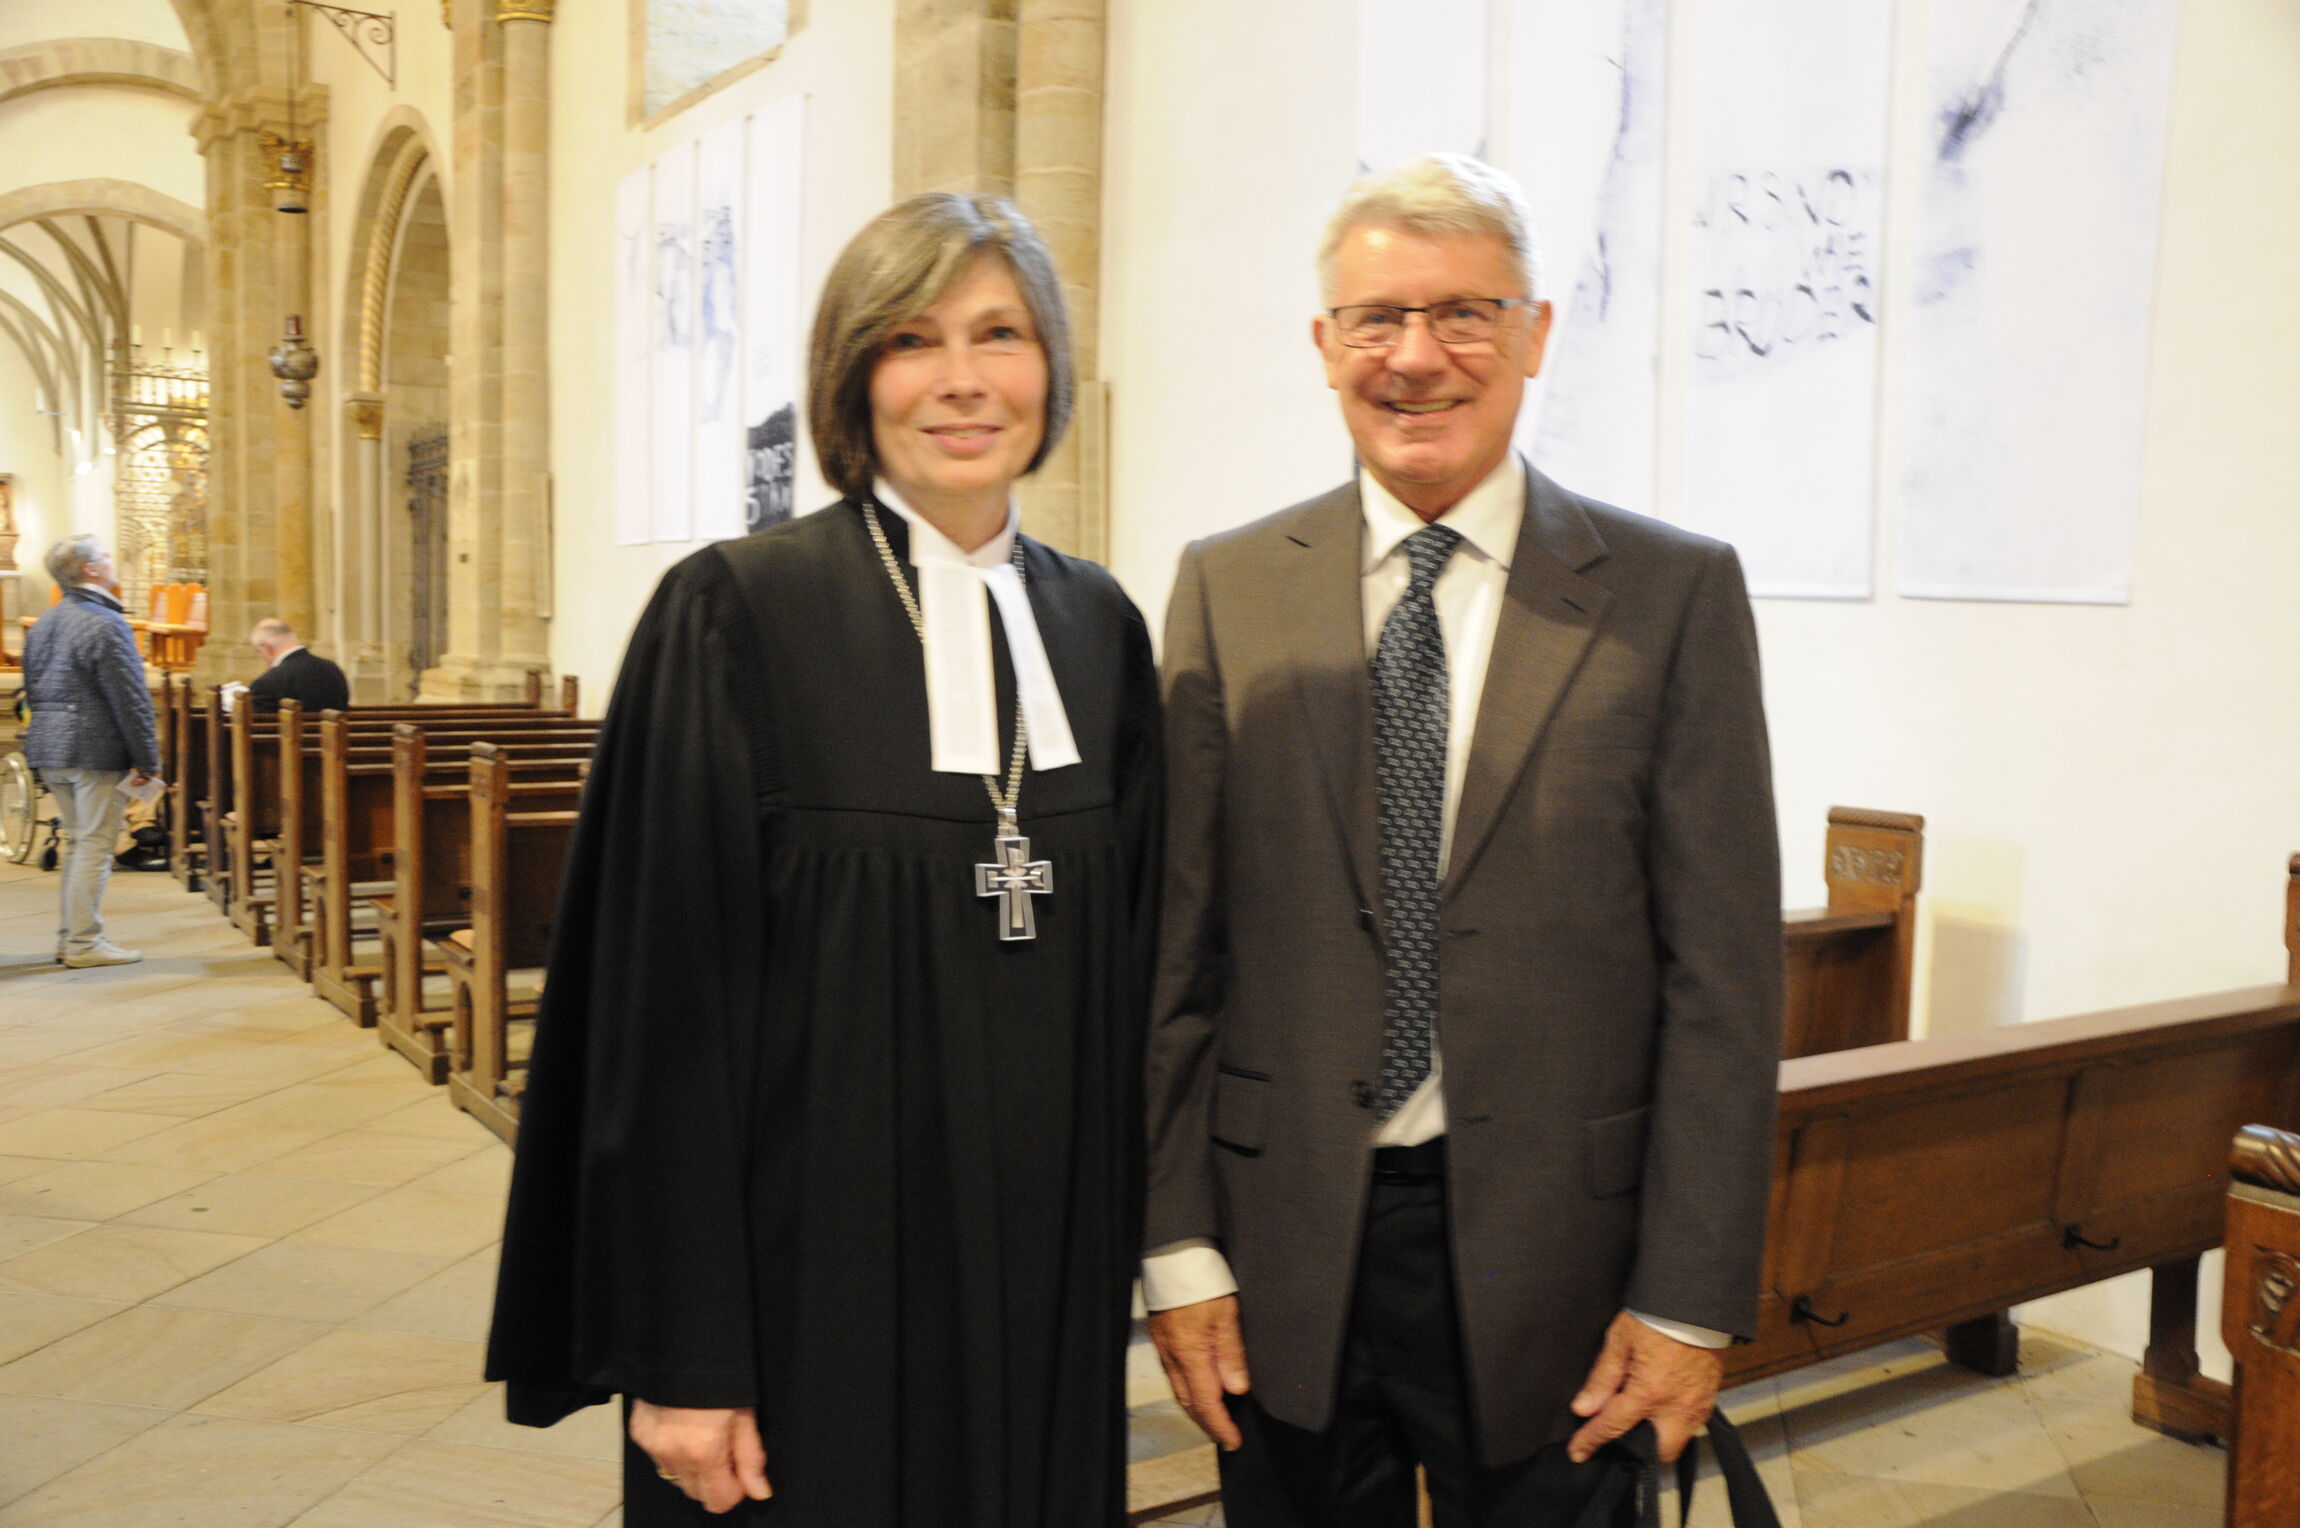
x=714 y=1456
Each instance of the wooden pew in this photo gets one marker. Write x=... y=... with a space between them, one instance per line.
x=250 y=822
x=187 y=766
x=194 y=797
x=357 y=842
x=1933 y=1184
x=247 y=778
x=431 y=864
x=1849 y=965
x=517 y=859
x=2260 y=1321
x=294 y=940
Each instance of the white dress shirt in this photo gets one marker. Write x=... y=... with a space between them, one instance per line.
x=955 y=591
x=1468 y=593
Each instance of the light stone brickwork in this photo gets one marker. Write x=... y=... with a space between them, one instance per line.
x=260 y=535
x=499 y=415
x=1058 y=185
x=1005 y=97
x=59 y=61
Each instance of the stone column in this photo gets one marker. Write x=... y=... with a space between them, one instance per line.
x=259 y=516
x=1058 y=185
x=360 y=559
x=469 y=670
x=954 y=116
x=499 y=321
x=1005 y=97
x=524 y=588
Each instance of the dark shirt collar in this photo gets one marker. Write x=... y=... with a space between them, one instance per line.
x=91 y=592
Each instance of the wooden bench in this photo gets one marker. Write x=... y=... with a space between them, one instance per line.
x=193 y=752
x=355 y=863
x=518 y=855
x=257 y=777
x=249 y=775
x=2260 y=1321
x=369 y=740
x=431 y=865
x=1933 y=1184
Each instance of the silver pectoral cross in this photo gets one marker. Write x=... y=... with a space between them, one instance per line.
x=1016 y=877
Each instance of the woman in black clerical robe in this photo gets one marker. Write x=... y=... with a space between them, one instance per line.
x=829 y=1150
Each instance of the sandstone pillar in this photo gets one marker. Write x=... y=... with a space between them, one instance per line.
x=360 y=554
x=260 y=468
x=524 y=589
x=954 y=107
x=1058 y=185
x=470 y=669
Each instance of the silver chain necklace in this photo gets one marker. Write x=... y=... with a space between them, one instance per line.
x=1012 y=874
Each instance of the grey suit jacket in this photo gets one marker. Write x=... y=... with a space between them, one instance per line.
x=1610 y=951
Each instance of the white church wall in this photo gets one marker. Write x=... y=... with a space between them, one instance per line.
x=28 y=452
x=842 y=62
x=25 y=21
x=1219 y=410
x=86 y=132
x=2109 y=790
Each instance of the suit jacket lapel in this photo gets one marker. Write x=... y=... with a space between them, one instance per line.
x=1549 y=614
x=1326 y=612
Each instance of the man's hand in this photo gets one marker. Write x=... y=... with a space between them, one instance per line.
x=1643 y=1374
x=714 y=1456
x=1205 y=1357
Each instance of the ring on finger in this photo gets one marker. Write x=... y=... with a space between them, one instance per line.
x=667 y=1475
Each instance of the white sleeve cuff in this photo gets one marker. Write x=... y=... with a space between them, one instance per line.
x=1695 y=1336
x=1184 y=1273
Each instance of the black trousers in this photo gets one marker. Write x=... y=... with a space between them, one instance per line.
x=1403 y=1400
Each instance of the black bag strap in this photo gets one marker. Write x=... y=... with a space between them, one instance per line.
x=1744 y=1491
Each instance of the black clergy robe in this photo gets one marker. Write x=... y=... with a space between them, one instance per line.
x=800 y=1131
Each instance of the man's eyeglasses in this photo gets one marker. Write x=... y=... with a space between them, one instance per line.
x=1456 y=321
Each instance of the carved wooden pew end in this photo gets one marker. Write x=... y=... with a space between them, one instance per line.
x=2260 y=1321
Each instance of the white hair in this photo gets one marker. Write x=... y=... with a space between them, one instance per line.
x=1438 y=194
x=68 y=559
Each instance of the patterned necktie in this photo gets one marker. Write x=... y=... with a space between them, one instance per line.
x=1412 y=713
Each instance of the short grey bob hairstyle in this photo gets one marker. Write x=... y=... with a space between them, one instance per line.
x=893 y=270
x=67 y=561
x=1439 y=194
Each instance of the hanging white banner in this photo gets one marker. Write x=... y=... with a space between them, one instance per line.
x=672 y=325
x=2035 y=270
x=634 y=311
x=1787 y=217
x=1586 y=82
x=718 y=399
x=773 y=350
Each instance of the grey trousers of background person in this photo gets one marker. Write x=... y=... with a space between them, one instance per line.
x=92 y=808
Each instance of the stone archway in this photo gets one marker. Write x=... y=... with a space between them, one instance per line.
x=104 y=197
x=58 y=61
x=391 y=533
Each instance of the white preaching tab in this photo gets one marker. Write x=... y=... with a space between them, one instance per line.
x=955 y=589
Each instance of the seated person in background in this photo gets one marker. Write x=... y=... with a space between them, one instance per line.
x=296 y=673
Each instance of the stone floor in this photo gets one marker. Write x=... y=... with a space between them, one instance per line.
x=1898 y=1438
x=245 y=1259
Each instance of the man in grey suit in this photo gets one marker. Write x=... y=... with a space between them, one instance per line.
x=1464 y=1043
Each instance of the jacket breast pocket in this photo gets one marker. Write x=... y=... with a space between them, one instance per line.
x=1241 y=1109
x=1616 y=1145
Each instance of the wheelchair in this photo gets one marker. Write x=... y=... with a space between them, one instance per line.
x=26 y=808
